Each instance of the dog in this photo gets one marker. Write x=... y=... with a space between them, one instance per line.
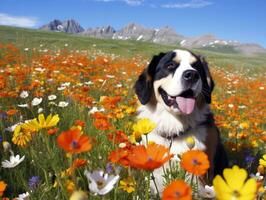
x=175 y=92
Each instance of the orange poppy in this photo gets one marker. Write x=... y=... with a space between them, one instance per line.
x=102 y=124
x=79 y=123
x=195 y=162
x=177 y=190
x=118 y=137
x=11 y=112
x=99 y=115
x=149 y=158
x=119 y=156
x=76 y=164
x=2 y=187
x=73 y=141
x=52 y=131
x=79 y=163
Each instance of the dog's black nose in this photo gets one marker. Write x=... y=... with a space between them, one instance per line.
x=190 y=76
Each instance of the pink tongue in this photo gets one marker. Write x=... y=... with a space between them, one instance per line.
x=185 y=105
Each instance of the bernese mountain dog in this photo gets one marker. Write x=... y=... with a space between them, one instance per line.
x=175 y=93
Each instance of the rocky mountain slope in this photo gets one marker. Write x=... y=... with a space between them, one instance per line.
x=164 y=35
x=68 y=26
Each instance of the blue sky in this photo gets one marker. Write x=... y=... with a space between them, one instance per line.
x=242 y=20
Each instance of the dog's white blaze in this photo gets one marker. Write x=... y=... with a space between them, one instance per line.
x=172 y=84
x=167 y=123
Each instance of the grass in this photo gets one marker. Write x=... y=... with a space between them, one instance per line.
x=31 y=38
x=243 y=130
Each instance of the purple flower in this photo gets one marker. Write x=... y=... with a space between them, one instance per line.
x=112 y=169
x=34 y=182
x=249 y=159
x=3 y=115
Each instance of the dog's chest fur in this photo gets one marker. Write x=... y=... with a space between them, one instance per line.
x=172 y=131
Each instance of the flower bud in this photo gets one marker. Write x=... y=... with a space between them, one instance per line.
x=190 y=141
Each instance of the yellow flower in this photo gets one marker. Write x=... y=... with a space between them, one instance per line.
x=130 y=110
x=263 y=161
x=235 y=186
x=244 y=125
x=127 y=185
x=70 y=186
x=21 y=136
x=78 y=195
x=143 y=126
x=41 y=123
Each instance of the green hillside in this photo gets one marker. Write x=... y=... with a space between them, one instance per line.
x=31 y=38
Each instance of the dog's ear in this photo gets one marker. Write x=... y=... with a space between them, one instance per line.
x=208 y=84
x=144 y=84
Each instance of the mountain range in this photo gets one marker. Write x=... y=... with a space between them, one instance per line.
x=165 y=35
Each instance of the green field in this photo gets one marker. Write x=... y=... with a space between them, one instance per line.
x=72 y=75
x=31 y=38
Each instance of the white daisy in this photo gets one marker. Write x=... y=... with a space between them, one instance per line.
x=36 y=101
x=23 y=196
x=39 y=69
x=95 y=109
x=12 y=128
x=110 y=76
x=62 y=104
x=66 y=84
x=230 y=105
x=52 y=97
x=88 y=83
x=13 y=161
x=101 y=183
x=23 y=105
x=24 y=94
x=61 y=88
x=207 y=192
x=40 y=110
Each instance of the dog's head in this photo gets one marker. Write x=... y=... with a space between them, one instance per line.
x=177 y=79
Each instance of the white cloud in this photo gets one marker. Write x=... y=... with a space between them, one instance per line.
x=191 y=4
x=19 y=21
x=128 y=2
x=133 y=2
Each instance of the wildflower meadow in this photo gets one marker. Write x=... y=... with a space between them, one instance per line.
x=68 y=130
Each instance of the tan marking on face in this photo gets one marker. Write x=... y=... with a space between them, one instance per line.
x=159 y=83
x=182 y=55
x=149 y=78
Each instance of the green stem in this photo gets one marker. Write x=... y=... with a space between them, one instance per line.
x=147 y=190
x=147 y=141
x=191 y=181
x=157 y=190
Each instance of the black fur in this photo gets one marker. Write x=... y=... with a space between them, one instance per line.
x=144 y=85
x=158 y=68
x=220 y=160
x=202 y=67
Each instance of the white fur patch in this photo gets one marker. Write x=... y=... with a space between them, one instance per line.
x=168 y=124
x=172 y=84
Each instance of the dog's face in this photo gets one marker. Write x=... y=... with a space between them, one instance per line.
x=177 y=80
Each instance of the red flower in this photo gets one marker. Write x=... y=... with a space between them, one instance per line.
x=151 y=157
x=177 y=190
x=73 y=141
x=120 y=156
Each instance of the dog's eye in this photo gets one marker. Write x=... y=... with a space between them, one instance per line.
x=171 y=66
